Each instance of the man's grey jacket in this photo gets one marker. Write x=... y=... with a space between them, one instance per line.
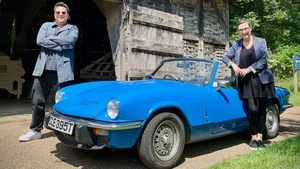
x=59 y=45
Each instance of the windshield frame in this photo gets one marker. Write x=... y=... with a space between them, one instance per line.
x=196 y=81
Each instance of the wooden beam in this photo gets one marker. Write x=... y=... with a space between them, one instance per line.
x=191 y=36
x=155 y=48
x=221 y=18
x=135 y=3
x=111 y=1
x=201 y=18
x=157 y=19
x=168 y=6
x=214 y=40
x=150 y=24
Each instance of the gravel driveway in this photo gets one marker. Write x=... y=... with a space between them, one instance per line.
x=48 y=152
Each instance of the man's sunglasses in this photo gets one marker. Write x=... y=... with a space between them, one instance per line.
x=59 y=12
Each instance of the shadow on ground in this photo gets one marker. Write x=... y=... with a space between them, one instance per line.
x=289 y=127
x=94 y=159
x=11 y=107
x=129 y=158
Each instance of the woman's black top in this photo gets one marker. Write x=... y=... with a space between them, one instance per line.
x=250 y=85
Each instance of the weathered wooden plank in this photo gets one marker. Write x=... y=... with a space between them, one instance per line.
x=111 y=1
x=191 y=37
x=214 y=40
x=155 y=47
x=220 y=17
x=98 y=77
x=149 y=34
x=98 y=71
x=214 y=31
x=154 y=18
x=157 y=26
x=201 y=18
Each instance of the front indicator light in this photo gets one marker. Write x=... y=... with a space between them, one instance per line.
x=100 y=132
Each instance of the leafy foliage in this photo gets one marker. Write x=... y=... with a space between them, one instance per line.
x=281 y=61
x=282 y=22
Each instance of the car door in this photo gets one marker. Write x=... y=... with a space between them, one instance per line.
x=226 y=111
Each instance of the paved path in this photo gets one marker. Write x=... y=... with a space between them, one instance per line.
x=50 y=153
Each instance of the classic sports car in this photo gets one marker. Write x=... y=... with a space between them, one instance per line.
x=181 y=102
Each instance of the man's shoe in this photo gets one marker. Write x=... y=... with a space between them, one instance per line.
x=253 y=145
x=31 y=135
x=261 y=144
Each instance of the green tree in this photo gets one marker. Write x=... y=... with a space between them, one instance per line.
x=281 y=24
x=281 y=60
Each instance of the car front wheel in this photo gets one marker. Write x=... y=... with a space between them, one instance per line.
x=272 y=121
x=162 y=141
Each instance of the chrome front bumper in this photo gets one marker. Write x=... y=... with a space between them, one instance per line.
x=83 y=136
x=98 y=124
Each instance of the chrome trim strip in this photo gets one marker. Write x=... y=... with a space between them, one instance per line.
x=100 y=124
x=287 y=106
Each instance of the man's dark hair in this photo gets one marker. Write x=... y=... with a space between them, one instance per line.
x=62 y=4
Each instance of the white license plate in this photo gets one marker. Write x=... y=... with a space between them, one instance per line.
x=61 y=125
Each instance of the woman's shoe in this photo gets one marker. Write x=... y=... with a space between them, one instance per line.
x=253 y=145
x=261 y=144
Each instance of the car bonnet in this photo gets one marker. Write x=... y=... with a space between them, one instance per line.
x=91 y=102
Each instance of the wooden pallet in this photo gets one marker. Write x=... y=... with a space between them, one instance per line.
x=101 y=69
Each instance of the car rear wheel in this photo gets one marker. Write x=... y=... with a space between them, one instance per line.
x=272 y=121
x=162 y=141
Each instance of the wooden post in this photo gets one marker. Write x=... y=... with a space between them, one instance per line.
x=295 y=82
x=296 y=61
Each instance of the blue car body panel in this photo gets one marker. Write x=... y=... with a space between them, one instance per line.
x=208 y=111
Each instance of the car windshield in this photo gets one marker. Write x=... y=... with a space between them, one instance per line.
x=192 y=71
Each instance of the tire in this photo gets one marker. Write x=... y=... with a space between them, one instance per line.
x=162 y=142
x=272 y=121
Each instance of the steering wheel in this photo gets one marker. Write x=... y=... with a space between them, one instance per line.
x=148 y=77
x=172 y=76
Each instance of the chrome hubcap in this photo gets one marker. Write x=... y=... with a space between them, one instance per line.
x=270 y=120
x=166 y=140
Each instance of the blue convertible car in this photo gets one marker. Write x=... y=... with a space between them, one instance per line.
x=182 y=101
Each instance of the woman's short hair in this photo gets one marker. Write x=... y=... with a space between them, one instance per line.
x=241 y=21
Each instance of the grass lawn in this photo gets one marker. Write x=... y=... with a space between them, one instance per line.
x=288 y=83
x=284 y=154
x=295 y=99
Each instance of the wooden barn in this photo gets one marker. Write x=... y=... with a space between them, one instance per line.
x=120 y=39
x=144 y=32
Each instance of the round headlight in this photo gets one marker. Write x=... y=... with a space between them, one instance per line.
x=113 y=109
x=58 y=96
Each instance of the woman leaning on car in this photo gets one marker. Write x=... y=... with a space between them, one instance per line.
x=248 y=59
